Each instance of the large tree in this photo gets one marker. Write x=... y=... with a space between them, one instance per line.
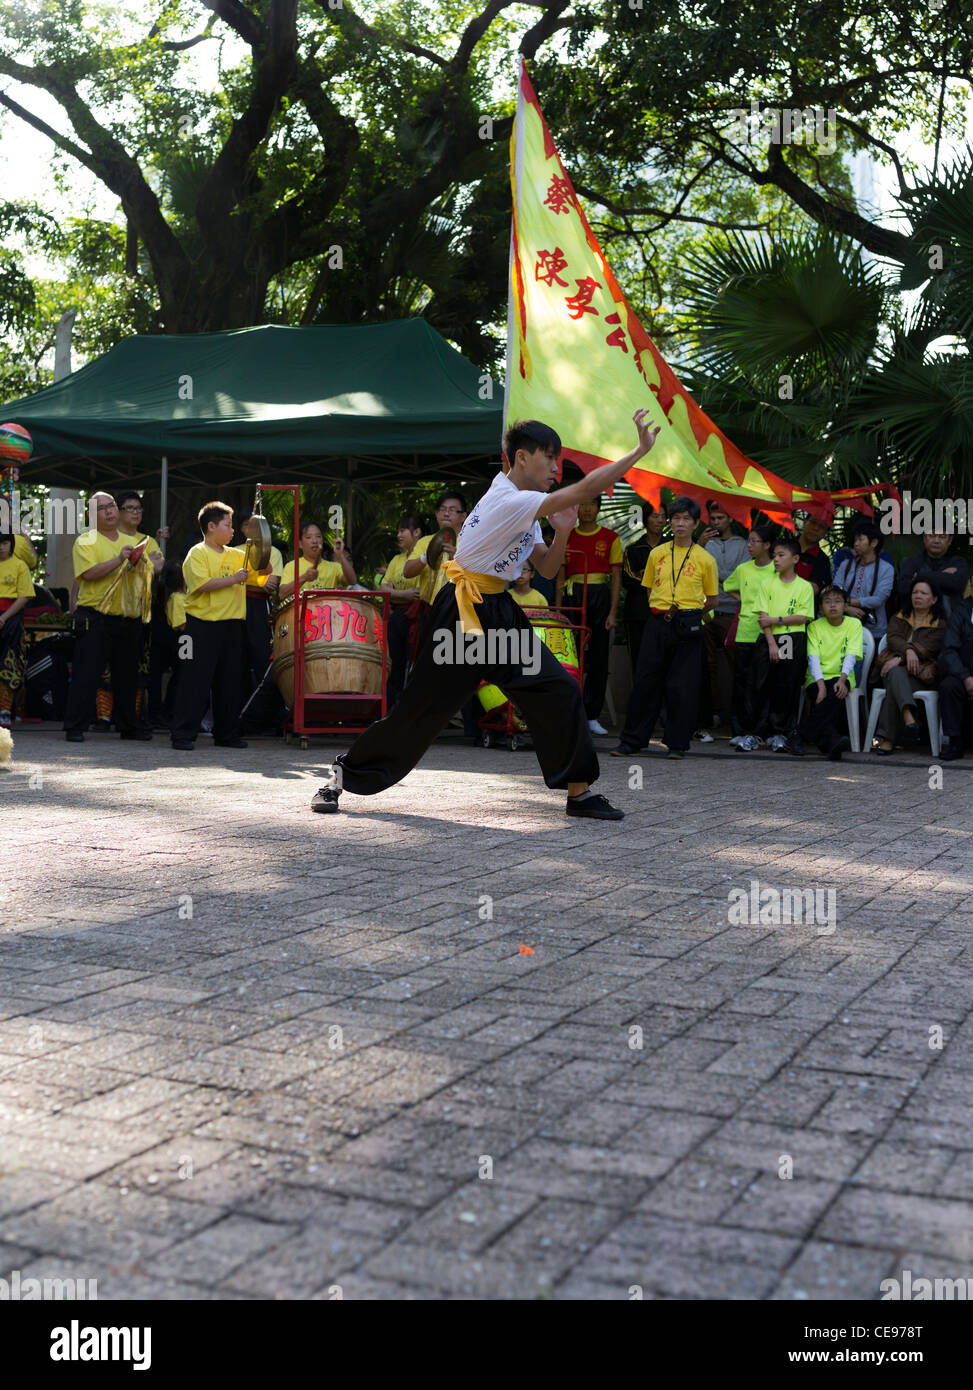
x=324 y=168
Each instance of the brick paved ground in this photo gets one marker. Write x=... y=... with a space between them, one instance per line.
x=304 y=1085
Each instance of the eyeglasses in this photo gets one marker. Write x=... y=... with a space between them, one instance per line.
x=127 y=508
x=106 y=507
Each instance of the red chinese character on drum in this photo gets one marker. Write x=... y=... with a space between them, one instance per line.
x=317 y=624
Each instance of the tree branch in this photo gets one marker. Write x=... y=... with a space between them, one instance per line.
x=345 y=17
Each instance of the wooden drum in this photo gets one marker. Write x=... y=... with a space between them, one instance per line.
x=343 y=642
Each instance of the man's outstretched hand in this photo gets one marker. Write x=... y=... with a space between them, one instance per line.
x=647 y=435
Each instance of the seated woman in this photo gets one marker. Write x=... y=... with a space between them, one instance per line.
x=16 y=589
x=319 y=572
x=908 y=664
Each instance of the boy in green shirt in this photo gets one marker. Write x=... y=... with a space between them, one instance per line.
x=749 y=580
x=834 y=645
x=789 y=601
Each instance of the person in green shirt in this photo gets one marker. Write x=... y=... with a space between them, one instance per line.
x=789 y=601
x=834 y=645
x=749 y=580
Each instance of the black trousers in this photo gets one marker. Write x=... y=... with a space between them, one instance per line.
x=751 y=666
x=214 y=664
x=634 y=629
x=550 y=702
x=398 y=658
x=257 y=630
x=955 y=709
x=598 y=649
x=826 y=722
x=163 y=657
x=785 y=681
x=669 y=669
x=102 y=641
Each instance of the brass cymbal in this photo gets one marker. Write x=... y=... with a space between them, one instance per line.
x=259 y=540
x=434 y=553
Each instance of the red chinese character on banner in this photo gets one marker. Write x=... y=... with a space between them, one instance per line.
x=558 y=195
x=616 y=339
x=548 y=265
x=580 y=303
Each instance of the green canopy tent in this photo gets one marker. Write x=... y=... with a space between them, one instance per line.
x=271 y=404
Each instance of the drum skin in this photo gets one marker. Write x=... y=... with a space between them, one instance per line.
x=556 y=636
x=343 y=641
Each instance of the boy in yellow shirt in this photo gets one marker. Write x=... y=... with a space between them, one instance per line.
x=215 y=612
x=683 y=583
x=16 y=591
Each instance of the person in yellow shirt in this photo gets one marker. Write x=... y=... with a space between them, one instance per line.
x=403 y=623
x=107 y=630
x=317 y=572
x=683 y=584
x=522 y=590
x=214 y=638
x=168 y=620
x=23 y=550
x=16 y=591
x=451 y=511
x=262 y=585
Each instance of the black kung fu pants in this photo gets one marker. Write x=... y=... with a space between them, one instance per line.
x=104 y=640
x=550 y=701
x=257 y=640
x=669 y=670
x=599 y=649
x=215 y=663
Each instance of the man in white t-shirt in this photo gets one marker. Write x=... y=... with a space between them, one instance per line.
x=477 y=632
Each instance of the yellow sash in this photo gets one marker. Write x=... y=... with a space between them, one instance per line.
x=470 y=589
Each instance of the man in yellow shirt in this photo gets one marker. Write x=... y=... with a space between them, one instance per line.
x=106 y=633
x=215 y=610
x=16 y=591
x=683 y=583
x=451 y=512
x=262 y=584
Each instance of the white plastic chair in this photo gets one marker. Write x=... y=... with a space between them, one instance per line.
x=929 y=698
x=858 y=696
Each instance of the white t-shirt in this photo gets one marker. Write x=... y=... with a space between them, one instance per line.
x=500 y=532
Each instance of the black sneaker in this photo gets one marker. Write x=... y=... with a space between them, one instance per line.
x=229 y=743
x=184 y=745
x=593 y=807
x=795 y=746
x=74 y=738
x=949 y=754
x=834 y=753
x=622 y=752
x=326 y=799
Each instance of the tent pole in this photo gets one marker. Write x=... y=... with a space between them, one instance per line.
x=348 y=497
x=164 y=499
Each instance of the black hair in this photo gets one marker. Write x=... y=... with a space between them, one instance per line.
x=907 y=608
x=412 y=521
x=864 y=527
x=833 y=589
x=126 y=496
x=531 y=435
x=647 y=511
x=7 y=536
x=456 y=496
x=713 y=504
x=170 y=580
x=311 y=522
x=213 y=511
x=790 y=542
x=684 y=504
x=768 y=534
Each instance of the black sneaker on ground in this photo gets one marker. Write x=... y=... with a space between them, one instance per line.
x=795 y=746
x=949 y=754
x=184 y=745
x=843 y=745
x=325 y=800
x=677 y=752
x=622 y=752
x=74 y=738
x=593 y=807
x=229 y=743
